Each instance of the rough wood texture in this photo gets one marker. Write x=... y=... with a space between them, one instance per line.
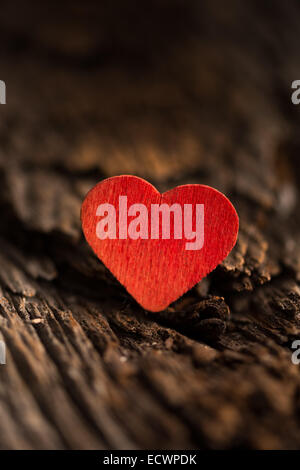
x=177 y=94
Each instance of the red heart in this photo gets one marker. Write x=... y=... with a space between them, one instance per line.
x=158 y=271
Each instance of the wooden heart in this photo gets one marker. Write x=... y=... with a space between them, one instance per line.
x=158 y=245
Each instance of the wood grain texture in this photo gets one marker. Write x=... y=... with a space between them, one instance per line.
x=185 y=92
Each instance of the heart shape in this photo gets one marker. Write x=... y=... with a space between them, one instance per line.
x=155 y=270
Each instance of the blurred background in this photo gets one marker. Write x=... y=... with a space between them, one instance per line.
x=171 y=91
x=176 y=92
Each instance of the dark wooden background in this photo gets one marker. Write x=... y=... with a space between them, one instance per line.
x=176 y=92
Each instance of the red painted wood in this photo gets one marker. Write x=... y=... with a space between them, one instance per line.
x=157 y=272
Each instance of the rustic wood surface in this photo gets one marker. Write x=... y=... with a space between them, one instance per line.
x=176 y=94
